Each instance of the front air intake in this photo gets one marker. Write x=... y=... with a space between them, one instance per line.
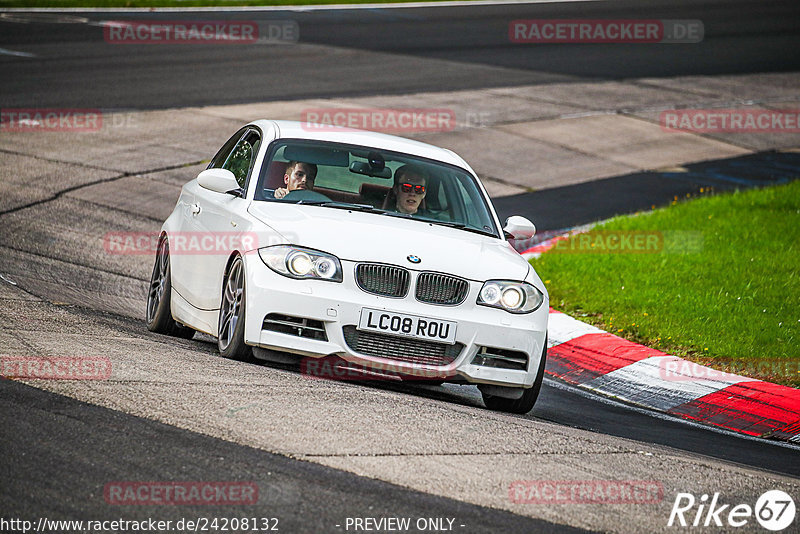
x=384 y=280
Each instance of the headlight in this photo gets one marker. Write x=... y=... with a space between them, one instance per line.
x=302 y=263
x=514 y=297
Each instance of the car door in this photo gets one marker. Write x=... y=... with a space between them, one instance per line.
x=221 y=221
x=187 y=264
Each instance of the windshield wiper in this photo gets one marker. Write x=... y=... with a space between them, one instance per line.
x=460 y=226
x=401 y=215
x=339 y=205
x=349 y=206
x=451 y=224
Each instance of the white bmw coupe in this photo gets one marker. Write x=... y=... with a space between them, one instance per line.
x=381 y=252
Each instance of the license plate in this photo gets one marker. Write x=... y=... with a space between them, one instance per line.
x=400 y=324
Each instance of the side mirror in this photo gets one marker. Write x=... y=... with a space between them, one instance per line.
x=518 y=227
x=219 y=180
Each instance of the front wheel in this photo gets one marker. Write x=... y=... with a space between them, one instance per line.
x=231 y=315
x=159 y=315
x=525 y=403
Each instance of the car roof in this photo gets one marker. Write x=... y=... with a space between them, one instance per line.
x=304 y=130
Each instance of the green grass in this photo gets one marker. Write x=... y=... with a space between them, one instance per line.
x=181 y=3
x=731 y=301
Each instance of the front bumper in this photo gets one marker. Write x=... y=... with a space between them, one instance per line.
x=336 y=308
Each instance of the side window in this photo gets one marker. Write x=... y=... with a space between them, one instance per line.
x=475 y=212
x=241 y=158
x=467 y=204
x=437 y=199
x=221 y=156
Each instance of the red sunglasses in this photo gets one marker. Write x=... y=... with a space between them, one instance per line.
x=417 y=188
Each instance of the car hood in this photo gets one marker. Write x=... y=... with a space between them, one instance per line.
x=359 y=236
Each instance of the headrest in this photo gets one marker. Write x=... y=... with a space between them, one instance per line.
x=275 y=174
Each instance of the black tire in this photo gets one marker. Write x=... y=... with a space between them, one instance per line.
x=230 y=339
x=158 y=314
x=525 y=403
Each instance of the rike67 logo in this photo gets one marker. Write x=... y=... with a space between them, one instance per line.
x=774 y=510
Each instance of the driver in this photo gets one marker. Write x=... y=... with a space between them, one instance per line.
x=298 y=175
x=409 y=190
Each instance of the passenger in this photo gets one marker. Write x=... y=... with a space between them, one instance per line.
x=409 y=190
x=298 y=176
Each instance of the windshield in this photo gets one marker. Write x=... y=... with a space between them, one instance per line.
x=386 y=183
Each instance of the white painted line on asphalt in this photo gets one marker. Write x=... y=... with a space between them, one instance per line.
x=26 y=18
x=330 y=7
x=659 y=415
x=7 y=52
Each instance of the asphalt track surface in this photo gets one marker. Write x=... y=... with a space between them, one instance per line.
x=564 y=207
x=377 y=51
x=305 y=497
x=64 y=449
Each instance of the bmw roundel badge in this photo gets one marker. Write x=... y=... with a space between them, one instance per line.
x=413 y=259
